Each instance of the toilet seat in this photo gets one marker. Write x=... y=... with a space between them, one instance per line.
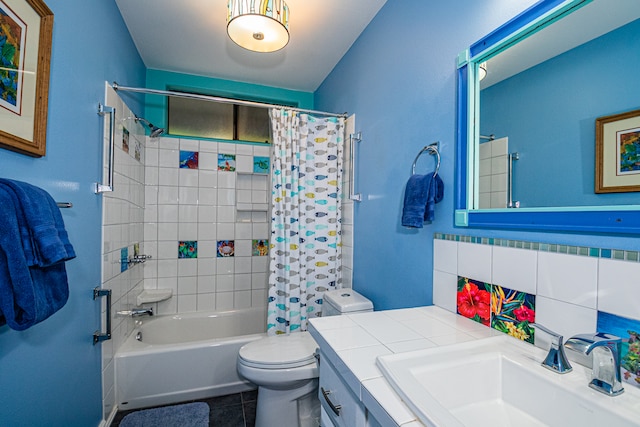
x=279 y=352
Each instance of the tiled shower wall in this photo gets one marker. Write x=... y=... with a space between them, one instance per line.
x=122 y=228
x=198 y=208
x=493 y=174
x=571 y=284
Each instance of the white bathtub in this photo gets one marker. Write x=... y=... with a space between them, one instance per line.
x=186 y=356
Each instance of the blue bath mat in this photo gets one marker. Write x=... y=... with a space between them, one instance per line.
x=186 y=415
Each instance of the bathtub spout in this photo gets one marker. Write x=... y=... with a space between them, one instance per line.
x=137 y=312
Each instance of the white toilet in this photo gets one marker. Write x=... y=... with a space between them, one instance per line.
x=285 y=369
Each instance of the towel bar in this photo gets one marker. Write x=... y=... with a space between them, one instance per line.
x=63 y=205
x=433 y=150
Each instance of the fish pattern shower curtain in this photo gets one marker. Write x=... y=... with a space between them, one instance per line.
x=305 y=247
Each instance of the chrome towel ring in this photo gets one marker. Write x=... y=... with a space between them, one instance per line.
x=431 y=149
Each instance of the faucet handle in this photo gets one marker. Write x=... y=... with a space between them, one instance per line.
x=556 y=359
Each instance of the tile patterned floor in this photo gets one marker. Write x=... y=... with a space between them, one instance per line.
x=234 y=410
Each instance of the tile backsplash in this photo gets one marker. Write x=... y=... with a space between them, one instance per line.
x=575 y=289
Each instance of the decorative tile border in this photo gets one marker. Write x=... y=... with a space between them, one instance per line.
x=617 y=254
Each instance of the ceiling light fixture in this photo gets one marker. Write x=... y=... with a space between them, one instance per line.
x=258 y=25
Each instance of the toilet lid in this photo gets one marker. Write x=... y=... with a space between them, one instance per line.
x=280 y=351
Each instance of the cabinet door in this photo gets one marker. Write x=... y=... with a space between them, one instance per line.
x=343 y=408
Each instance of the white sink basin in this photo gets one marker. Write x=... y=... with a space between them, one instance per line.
x=499 y=382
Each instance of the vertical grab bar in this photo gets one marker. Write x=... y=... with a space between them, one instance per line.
x=511 y=157
x=102 y=111
x=354 y=137
x=97 y=335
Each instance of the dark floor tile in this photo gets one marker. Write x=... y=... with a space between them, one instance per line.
x=230 y=399
x=227 y=416
x=250 y=413
x=249 y=396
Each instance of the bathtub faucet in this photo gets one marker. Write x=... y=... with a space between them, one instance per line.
x=137 y=312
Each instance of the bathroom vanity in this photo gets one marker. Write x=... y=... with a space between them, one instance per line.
x=350 y=380
x=450 y=371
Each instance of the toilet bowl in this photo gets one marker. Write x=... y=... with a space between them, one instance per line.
x=285 y=368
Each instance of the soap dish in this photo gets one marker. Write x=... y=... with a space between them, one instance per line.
x=154 y=295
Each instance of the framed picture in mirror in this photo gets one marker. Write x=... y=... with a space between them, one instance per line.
x=25 y=54
x=618 y=153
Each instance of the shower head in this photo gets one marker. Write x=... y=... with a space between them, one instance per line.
x=154 y=131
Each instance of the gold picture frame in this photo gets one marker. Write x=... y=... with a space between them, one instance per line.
x=26 y=28
x=618 y=153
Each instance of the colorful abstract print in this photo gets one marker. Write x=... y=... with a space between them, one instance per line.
x=12 y=40
x=306 y=218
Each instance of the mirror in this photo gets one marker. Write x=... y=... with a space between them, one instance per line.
x=550 y=73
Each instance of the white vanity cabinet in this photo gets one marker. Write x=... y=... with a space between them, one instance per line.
x=340 y=406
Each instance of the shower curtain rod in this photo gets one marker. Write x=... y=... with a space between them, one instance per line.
x=117 y=87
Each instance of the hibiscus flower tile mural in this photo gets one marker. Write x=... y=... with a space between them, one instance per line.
x=500 y=308
x=474 y=300
x=512 y=312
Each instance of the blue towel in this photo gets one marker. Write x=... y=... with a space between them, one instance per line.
x=44 y=238
x=29 y=293
x=420 y=196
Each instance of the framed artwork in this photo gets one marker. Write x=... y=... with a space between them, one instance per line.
x=618 y=153
x=25 y=55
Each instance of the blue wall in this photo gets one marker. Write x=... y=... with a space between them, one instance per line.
x=399 y=80
x=566 y=95
x=50 y=374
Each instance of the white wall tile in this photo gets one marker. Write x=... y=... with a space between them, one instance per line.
x=242 y=299
x=568 y=278
x=187 y=303
x=189 y=144
x=168 y=158
x=207 y=161
x=206 y=266
x=206 y=301
x=187 y=285
x=168 y=176
x=474 y=261
x=224 y=301
x=445 y=286
x=445 y=256
x=515 y=268
x=563 y=318
x=208 y=146
x=619 y=288
x=188 y=177
x=189 y=195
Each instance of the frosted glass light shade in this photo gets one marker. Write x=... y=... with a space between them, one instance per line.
x=258 y=25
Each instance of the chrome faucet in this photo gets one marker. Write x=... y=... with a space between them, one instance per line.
x=556 y=359
x=605 y=374
x=137 y=312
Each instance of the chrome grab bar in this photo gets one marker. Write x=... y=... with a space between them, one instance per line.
x=102 y=111
x=354 y=137
x=511 y=157
x=97 y=335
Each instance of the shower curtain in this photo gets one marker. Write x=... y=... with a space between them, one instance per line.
x=305 y=247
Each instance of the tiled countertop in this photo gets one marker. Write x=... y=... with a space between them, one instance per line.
x=353 y=342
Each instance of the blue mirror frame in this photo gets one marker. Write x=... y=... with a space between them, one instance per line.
x=584 y=219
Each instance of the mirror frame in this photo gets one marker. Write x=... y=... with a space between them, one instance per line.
x=623 y=219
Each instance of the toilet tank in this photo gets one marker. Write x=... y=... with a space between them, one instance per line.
x=344 y=301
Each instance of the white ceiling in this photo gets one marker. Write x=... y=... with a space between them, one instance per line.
x=190 y=36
